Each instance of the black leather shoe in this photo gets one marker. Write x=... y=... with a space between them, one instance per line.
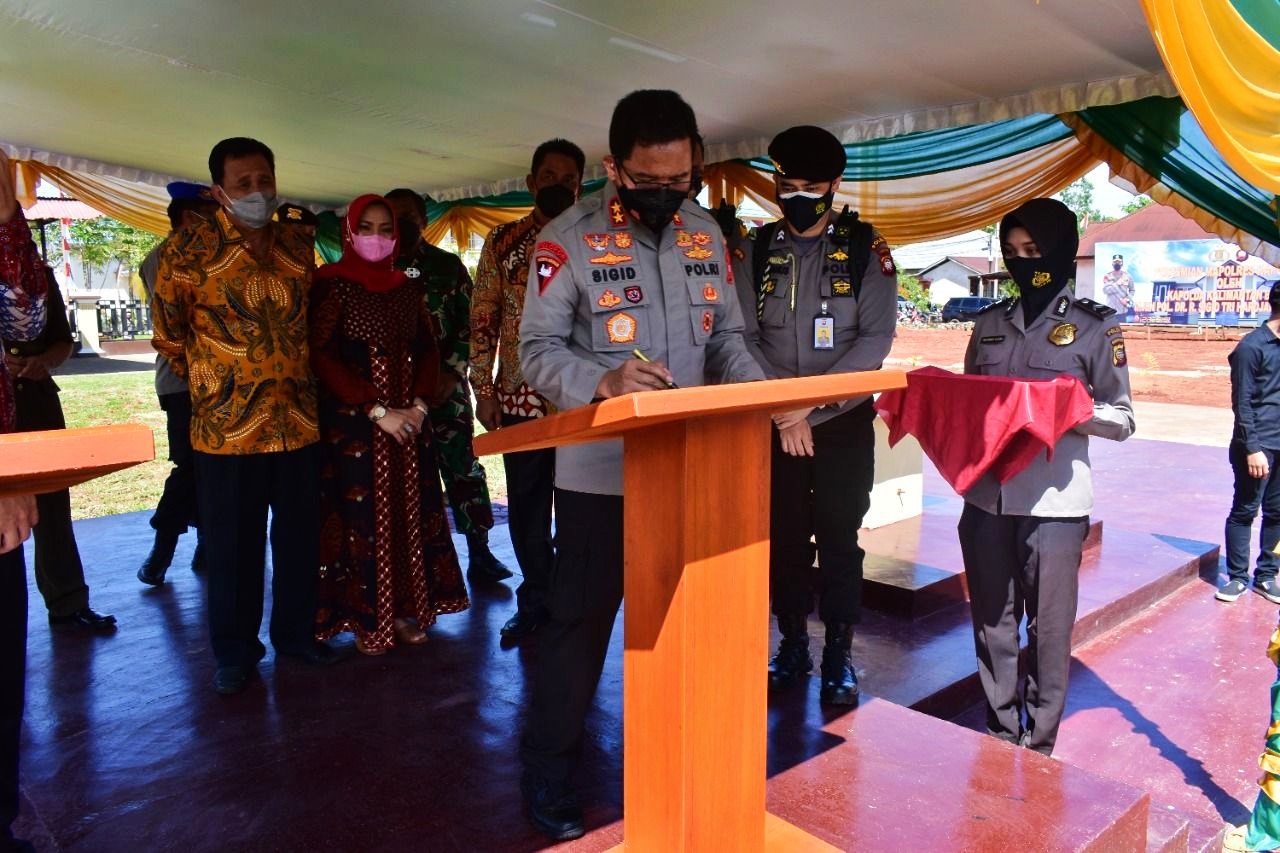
x=85 y=618
x=839 y=681
x=520 y=626
x=157 y=562
x=553 y=808
x=230 y=679
x=316 y=653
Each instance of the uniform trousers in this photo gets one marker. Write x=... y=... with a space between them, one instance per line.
x=13 y=671
x=1017 y=564
x=176 y=510
x=234 y=493
x=58 y=569
x=530 y=485
x=824 y=496
x=453 y=426
x=1251 y=493
x=582 y=604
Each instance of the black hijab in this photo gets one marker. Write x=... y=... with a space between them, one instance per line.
x=1052 y=226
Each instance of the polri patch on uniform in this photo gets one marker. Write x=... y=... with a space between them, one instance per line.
x=622 y=240
x=548 y=258
x=598 y=242
x=728 y=265
x=841 y=287
x=617 y=213
x=701 y=238
x=609 y=299
x=1113 y=331
x=1118 y=357
x=839 y=256
x=684 y=239
x=1062 y=334
x=1060 y=310
x=708 y=320
x=633 y=294
x=611 y=258
x=1040 y=278
x=710 y=293
x=991 y=339
x=881 y=248
x=621 y=328
x=698 y=253
x=677 y=220
x=768 y=286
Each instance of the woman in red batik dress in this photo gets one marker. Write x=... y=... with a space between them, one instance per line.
x=387 y=563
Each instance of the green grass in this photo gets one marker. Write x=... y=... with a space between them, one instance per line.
x=130 y=397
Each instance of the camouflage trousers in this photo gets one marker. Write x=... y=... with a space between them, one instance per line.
x=453 y=425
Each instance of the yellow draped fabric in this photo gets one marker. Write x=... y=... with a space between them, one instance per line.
x=1229 y=77
x=1143 y=182
x=140 y=205
x=462 y=222
x=929 y=207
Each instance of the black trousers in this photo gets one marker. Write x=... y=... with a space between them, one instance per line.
x=582 y=603
x=58 y=569
x=1016 y=564
x=234 y=495
x=13 y=672
x=530 y=485
x=824 y=496
x=176 y=510
x=1250 y=494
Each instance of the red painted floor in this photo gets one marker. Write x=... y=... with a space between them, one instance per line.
x=127 y=748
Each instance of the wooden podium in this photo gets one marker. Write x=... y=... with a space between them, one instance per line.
x=32 y=463
x=696 y=631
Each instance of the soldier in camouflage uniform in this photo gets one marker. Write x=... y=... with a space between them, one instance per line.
x=448 y=295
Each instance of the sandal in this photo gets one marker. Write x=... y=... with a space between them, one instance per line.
x=409 y=633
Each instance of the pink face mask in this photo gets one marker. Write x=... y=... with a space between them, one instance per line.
x=373 y=247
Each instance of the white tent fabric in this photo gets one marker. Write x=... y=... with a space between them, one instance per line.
x=452 y=96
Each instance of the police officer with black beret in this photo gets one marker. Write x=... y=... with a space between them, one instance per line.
x=819 y=295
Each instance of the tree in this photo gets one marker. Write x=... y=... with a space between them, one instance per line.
x=98 y=242
x=910 y=287
x=1138 y=202
x=1079 y=197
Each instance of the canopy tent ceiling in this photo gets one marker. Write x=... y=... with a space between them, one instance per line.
x=451 y=97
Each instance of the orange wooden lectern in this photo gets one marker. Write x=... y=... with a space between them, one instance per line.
x=37 y=462
x=696 y=632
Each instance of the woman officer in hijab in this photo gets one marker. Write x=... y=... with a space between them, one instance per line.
x=1022 y=540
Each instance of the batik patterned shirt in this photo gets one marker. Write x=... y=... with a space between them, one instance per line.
x=235 y=327
x=24 y=281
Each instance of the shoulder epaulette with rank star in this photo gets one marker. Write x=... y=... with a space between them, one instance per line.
x=1003 y=303
x=1097 y=309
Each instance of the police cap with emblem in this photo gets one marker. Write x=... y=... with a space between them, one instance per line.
x=1117 y=257
x=189 y=191
x=807 y=153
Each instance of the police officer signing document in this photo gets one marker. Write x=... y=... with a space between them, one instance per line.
x=635 y=267
x=1021 y=541
x=820 y=296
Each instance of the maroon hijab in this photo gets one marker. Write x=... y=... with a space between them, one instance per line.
x=377 y=276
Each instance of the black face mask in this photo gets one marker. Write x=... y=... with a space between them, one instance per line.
x=554 y=200
x=410 y=234
x=803 y=210
x=1039 y=281
x=655 y=208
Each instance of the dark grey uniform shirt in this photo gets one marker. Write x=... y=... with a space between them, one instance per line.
x=801 y=280
x=602 y=285
x=1078 y=338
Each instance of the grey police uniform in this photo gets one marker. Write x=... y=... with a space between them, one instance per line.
x=601 y=286
x=808 y=317
x=1032 y=528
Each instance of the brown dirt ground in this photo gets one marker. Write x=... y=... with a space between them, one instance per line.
x=1165 y=366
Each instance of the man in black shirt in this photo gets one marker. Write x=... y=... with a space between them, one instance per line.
x=1255 y=444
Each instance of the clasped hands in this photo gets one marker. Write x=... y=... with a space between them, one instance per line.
x=403 y=424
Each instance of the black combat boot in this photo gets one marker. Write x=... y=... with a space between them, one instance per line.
x=157 y=562
x=482 y=566
x=792 y=662
x=839 y=682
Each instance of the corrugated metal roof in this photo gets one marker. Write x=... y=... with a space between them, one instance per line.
x=60 y=208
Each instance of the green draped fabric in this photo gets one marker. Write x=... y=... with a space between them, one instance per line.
x=1162 y=137
x=515 y=198
x=1263 y=16
x=933 y=151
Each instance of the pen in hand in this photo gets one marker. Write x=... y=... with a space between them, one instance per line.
x=638 y=353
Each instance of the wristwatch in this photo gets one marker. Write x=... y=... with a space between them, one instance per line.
x=378 y=412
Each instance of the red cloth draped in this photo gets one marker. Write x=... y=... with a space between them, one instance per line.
x=969 y=425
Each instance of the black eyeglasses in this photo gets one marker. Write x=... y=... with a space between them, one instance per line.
x=681 y=186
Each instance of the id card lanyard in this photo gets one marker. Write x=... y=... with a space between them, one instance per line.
x=824 y=325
